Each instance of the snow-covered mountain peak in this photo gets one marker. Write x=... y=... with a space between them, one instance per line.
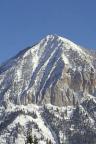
x=49 y=90
x=37 y=71
x=63 y=40
x=53 y=42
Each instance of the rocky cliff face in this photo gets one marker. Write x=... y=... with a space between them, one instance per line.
x=53 y=71
x=49 y=90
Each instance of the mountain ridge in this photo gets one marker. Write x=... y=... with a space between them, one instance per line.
x=52 y=53
x=50 y=86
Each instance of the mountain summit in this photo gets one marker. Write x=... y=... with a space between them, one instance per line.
x=48 y=93
x=46 y=72
x=51 y=71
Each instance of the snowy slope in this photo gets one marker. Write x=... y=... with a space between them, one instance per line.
x=49 y=91
x=33 y=74
x=27 y=118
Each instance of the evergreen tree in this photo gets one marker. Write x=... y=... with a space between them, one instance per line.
x=29 y=139
x=47 y=142
x=50 y=142
x=57 y=110
x=29 y=136
x=35 y=140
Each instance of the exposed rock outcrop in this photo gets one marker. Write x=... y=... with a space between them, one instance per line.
x=50 y=72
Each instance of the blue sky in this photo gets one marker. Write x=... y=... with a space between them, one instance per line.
x=25 y=22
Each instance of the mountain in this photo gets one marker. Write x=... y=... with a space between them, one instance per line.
x=49 y=90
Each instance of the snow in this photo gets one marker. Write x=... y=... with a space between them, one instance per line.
x=65 y=59
x=35 y=62
x=29 y=73
x=42 y=142
x=44 y=129
x=70 y=44
x=20 y=140
x=19 y=74
x=47 y=52
x=23 y=120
